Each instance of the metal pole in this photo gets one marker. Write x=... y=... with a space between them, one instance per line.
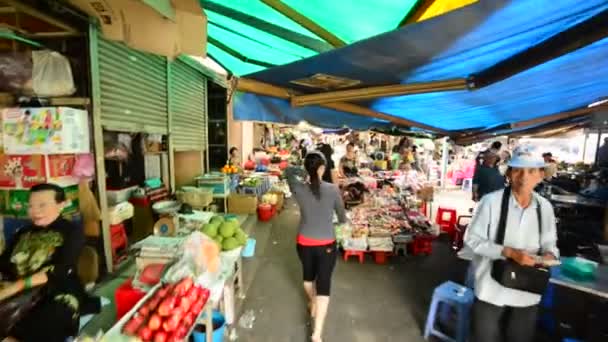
x=100 y=171
x=585 y=144
x=597 y=147
x=444 y=162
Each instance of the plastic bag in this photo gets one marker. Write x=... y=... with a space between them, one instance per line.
x=16 y=73
x=201 y=254
x=84 y=167
x=52 y=74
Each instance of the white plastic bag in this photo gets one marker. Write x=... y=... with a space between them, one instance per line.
x=51 y=74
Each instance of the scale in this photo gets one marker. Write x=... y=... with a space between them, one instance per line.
x=166 y=225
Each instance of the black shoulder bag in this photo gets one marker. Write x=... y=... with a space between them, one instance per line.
x=509 y=273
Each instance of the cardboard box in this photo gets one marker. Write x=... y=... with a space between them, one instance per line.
x=426 y=193
x=109 y=14
x=33 y=170
x=242 y=204
x=142 y=27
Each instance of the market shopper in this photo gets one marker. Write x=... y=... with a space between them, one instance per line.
x=488 y=178
x=348 y=163
x=330 y=174
x=502 y=313
x=551 y=165
x=316 y=241
x=234 y=159
x=43 y=257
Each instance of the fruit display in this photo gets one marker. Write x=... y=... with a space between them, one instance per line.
x=229 y=169
x=226 y=232
x=251 y=182
x=168 y=315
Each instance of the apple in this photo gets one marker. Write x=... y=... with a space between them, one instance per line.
x=183 y=286
x=145 y=334
x=170 y=325
x=181 y=331
x=155 y=322
x=162 y=292
x=144 y=311
x=189 y=319
x=131 y=327
x=167 y=305
x=138 y=318
x=174 y=338
x=193 y=295
x=185 y=304
x=160 y=336
x=153 y=303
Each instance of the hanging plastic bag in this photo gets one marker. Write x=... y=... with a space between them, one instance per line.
x=52 y=74
x=84 y=167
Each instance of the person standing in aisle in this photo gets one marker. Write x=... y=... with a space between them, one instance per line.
x=551 y=168
x=348 y=163
x=488 y=178
x=525 y=223
x=316 y=241
x=330 y=174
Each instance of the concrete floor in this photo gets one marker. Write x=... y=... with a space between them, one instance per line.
x=369 y=302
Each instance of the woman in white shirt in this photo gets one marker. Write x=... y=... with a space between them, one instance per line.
x=501 y=313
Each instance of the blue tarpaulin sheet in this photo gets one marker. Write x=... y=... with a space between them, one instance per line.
x=457 y=45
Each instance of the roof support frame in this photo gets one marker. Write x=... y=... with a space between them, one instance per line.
x=261 y=88
x=281 y=32
x=379 y=91
x=305 y=22
x=21 y=7
x=237 y=54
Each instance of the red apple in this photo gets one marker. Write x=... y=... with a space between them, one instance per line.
x=174 y=338
x=154 y=322
x=162 y=292
x=145 y=334
x=183 y=286
x=144 y=311
x=170 y=325
x=193 y=295
x=181 y=331
x=167 y=305
x=185 y=304
x=131 y=327
x=153 y=303
x=189 y=319
x=160 y=336
x=138 y=318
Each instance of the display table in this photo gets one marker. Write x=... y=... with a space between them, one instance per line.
x=597 y=287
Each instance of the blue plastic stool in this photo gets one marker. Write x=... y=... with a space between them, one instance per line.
x=457 y=296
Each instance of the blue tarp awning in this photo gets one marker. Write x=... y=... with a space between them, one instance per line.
x=455 y=45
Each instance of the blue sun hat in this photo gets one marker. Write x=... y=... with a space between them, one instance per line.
x=526 y=156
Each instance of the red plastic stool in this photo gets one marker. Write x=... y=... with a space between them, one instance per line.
x=422 y=245
x=349 y=253
x=126 y=297
x=119 y=240
x=381 y=258
x=447 y=224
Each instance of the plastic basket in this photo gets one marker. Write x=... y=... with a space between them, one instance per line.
x=198 y=198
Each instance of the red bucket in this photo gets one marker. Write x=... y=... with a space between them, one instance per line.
x=265 y=212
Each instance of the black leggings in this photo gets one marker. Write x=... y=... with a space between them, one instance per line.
x=318 y=264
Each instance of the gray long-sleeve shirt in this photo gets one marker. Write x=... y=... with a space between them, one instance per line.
x=316 y=215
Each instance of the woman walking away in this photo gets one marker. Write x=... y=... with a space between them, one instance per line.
x=513 y=231
x=316 y=242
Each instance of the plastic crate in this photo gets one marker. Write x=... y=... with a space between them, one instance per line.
x=220 y=185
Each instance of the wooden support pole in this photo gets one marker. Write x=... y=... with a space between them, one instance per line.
x=305 y=22
x=379 y=91
x=27 y=9
x=261 y=88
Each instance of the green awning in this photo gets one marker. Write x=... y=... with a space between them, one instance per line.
x=246 y=36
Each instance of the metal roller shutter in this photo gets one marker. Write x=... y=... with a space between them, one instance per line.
x=133 y=87
x=188 y=106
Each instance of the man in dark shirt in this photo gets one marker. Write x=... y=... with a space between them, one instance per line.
x=487 y=177
x=602 y=154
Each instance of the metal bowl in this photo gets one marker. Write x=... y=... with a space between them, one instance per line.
x=166 y=207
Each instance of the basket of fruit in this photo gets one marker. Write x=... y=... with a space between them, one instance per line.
x=167 y=313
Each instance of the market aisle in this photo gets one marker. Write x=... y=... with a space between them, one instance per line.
x=369 y=302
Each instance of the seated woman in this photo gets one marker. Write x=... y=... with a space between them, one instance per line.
x=45 y=253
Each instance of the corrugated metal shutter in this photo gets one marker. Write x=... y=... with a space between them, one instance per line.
x=188 y=98
x=133 y=89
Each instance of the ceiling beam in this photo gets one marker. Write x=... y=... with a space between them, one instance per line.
x=261 y=88
x=379 y=91
x=237 y=54
x=529 y=123
x=305 y=22
x=29 y=10
x=279 y=31
x=7 y=9
x=416 y=12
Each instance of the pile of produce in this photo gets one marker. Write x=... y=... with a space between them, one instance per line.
x=251 y=182
x=226 y=232
x=270 y=198
x=169 y=314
